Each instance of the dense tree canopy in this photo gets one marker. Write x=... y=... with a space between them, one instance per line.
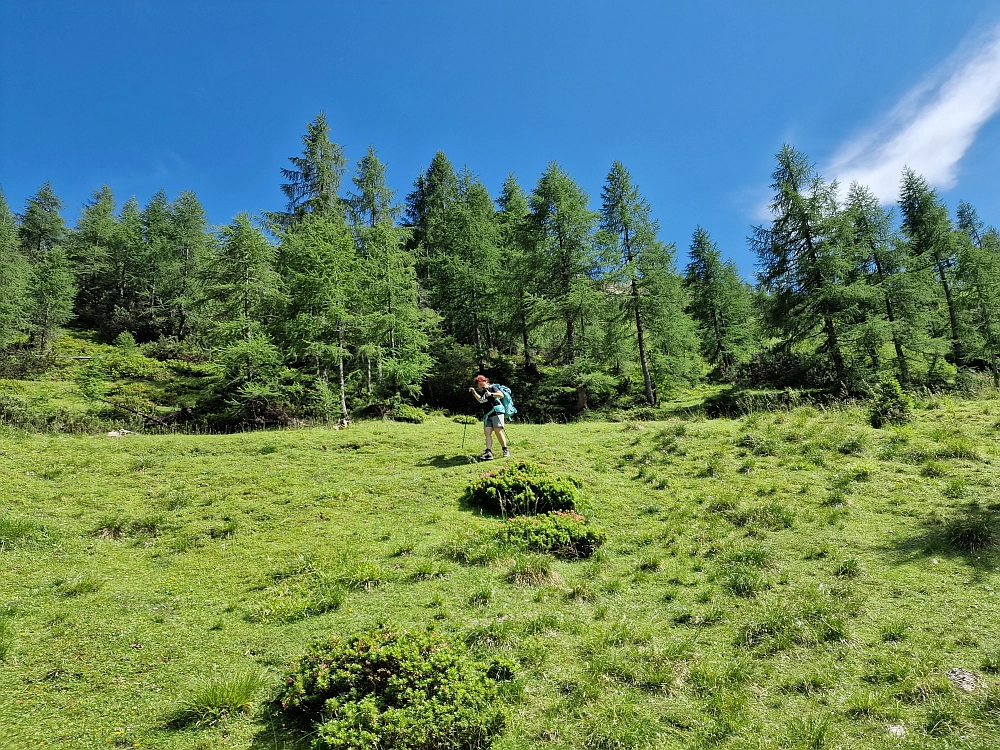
x=348 y=300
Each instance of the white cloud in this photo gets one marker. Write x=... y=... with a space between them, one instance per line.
x=931 y=128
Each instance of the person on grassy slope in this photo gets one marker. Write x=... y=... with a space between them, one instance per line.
x=491 y=398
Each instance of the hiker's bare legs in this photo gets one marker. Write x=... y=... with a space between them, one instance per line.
x=501 y=436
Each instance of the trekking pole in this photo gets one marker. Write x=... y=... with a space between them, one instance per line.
x=465 y=430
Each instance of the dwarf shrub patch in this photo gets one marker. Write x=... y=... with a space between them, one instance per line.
x=521 y=488
x=389 y=688
x=563 y=533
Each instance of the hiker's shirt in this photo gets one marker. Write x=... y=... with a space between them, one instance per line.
x=490 y=400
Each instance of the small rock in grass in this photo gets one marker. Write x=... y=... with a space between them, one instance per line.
x=897 y=730
x=963 y=679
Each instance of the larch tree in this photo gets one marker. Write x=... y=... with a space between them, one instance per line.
x=630 y=235
x=802 y=266
x=51 y=285
x=313 y=180
x=932 y=244
x=978 y=273
x=720 y=303
x=14 y=275
x=394 y=325
x=563 y=253
x=515 y=277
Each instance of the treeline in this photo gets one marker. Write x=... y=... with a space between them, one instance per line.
x=352 y=299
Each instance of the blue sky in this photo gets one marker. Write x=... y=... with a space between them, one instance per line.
x=693 y=97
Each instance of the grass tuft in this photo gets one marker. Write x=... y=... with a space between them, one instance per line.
x=218 y=698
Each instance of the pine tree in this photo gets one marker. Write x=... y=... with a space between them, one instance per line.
x=434 y=193
x=14 y=275
x=720 y=303
x=313 y=182
x=803 y=267
x=932 y=244
x=374 y=201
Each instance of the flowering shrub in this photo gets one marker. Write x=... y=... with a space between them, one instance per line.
x=521 y=488
x=564 y=533
x=388 y=688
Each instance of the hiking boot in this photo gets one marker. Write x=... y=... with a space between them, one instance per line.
x=506 y=452
x=487 y=456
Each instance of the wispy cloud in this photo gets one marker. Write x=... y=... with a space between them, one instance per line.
x=931 y=128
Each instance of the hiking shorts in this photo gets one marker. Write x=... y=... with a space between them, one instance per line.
x=494 y=420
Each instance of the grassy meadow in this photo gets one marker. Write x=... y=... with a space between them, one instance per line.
x=792 y=579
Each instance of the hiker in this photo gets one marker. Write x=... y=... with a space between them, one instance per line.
x=491 y=398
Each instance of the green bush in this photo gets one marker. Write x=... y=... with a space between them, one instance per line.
x=405 y=413
x=388 y=688
x=561 y=533
x=891 y=406
x=521 y=488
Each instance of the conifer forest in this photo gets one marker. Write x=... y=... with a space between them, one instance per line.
x=356 y=298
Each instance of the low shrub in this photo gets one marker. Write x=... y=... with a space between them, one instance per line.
x=561 y=533
x=405 y=413
x=891 y=406
x=388 y=688
x=521 y=488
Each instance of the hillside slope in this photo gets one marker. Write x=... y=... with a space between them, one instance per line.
x=786 y=580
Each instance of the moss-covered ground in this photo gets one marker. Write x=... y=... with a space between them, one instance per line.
x=786 y=580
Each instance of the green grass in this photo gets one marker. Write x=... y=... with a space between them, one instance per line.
x=812 y=586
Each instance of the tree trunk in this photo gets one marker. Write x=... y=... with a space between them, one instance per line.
x=643 y=358
x=340 y=366
x=956 y=344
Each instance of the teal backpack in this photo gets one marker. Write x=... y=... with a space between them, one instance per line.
x=507 y=402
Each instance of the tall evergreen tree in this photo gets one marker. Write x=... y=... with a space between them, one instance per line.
x=434 y=193
x=803 y=267
x=14 y=275
x=242 y=287
x=313 y=181
x=321 y=272
x=51 y=286
x=720 y=303
x=932 y=244
x=51 y=290
x=515 y=277
x=90 y=247
x=631 y=234
x=41 y=226
x=978 y=273
x=395 y=326
x=188 y=254
x=373 y=202
x=563 y=254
